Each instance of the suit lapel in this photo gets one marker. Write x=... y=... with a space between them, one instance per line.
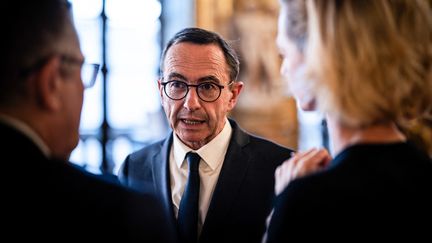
x=161 y=174
x=232 y=174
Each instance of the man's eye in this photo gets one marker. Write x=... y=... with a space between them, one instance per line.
x=177 y=85
x=208 y=86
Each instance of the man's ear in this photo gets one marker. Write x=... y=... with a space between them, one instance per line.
x=235 y=90
x=160 y=87
x=47 y=85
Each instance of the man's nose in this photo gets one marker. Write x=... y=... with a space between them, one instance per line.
x=192 y=101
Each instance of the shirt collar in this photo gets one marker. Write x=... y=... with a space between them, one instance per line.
x=27 y=131
x=212 y=153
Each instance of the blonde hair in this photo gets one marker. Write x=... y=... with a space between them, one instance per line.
x=370 y=61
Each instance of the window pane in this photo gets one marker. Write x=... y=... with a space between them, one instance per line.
x=133 y=59
x=121 y=148
x=133 y=49
x=88 y=24
x=88 y=154
x=90 y=38
x=133 y=13
x=86 y=9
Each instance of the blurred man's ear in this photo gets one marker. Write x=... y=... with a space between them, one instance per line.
x=47 y=83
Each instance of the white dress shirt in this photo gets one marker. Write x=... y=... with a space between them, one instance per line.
x=212 y=157
x=27 y=131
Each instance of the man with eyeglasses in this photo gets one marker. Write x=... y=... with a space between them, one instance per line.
x=44 y=197
x=213 y=177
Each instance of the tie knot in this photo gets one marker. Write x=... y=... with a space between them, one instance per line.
x=193 y=160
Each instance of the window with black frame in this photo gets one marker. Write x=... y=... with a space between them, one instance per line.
x=121 y=112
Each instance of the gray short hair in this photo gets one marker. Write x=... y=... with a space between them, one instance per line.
x=204 y=37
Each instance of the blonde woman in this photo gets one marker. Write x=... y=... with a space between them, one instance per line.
x=368 y=66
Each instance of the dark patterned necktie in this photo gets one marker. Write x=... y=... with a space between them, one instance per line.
x=188 y=211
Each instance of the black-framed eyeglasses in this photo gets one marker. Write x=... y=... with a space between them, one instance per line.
x=207 y=91
x=89 y=71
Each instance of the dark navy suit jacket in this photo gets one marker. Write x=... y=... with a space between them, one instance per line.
x=244 y=191
x=45 y=199
x=371 y=192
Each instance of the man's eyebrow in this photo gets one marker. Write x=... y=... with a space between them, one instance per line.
x=211 y=78
x=176 y=75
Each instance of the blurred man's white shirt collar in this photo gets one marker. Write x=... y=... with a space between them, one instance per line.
x=27 y=131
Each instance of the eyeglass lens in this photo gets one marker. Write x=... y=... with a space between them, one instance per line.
x=207 y=91
x=88 y=74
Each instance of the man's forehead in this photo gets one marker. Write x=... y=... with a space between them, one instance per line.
x=195 y=55
x=70 y=44
x=193 y=50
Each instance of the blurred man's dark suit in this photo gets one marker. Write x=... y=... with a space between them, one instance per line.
x=54 y=200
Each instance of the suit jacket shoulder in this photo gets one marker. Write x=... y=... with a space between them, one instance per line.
x=137 y=169
x=53 y=199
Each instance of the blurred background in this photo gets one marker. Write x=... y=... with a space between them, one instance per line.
x=122 y=112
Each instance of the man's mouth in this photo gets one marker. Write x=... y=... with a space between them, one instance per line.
x=192 y=121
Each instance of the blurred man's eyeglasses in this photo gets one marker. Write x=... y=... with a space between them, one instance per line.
x=207 y=91
x=89 y=71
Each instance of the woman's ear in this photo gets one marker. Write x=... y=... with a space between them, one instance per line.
x=47 y=85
